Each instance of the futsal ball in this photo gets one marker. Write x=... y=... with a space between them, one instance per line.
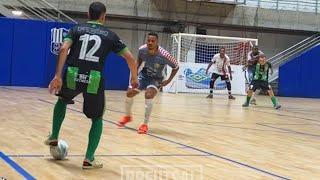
x=60 y=151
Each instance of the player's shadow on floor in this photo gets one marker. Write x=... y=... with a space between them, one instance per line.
x=264 y=107
x=66 y=163
x=166 y=132
x=76 y=169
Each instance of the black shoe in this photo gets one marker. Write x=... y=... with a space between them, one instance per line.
x=278 y=106
x=232 y=97
x=245 y=105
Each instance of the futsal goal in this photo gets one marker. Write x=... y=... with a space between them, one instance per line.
x=194 y=52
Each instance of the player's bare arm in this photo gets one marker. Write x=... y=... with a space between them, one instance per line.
x=133 y=68
x=230 y=72
x=56 y=83
x=271 y=69
x=173 y=73
x=209 y=65
x=139 y=63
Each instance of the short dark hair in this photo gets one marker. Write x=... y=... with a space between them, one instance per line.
x=222 y=47
x=153 y=34
x=96 y=9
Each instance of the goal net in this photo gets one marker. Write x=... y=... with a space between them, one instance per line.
x=194 y=53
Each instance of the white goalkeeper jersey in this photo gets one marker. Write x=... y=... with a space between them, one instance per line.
x=220 y=65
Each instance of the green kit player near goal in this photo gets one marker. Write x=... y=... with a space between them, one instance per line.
x=260 y=81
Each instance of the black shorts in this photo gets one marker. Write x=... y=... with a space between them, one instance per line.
x=94 y=103
x=263 y=85
x=216 y=76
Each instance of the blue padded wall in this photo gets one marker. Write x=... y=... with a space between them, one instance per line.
x=116 y=73
x=6 y=37
x=289 y=85
x=300 y=76
x=28 y=55
x=50 y=58
x=310 y=81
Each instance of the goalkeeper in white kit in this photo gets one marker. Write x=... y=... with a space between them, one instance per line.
x=222 y=69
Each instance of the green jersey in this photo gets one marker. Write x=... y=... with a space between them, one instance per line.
x=91 y=43
x=261 y=72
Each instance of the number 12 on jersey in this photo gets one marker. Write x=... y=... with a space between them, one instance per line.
x=89 y=56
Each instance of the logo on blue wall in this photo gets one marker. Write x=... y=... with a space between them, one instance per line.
x=57 y=35
x=201 y=80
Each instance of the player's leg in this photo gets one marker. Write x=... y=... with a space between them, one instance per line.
x=252 y=88
x=227 y=79
x=250 y=76
x=253 y=99
x=214 y=77
x=93 y=108
x=65 y=96
x=131 y=93
x=274 y=100
x=150 y=93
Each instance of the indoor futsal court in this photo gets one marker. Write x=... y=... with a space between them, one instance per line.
x=159 y=89
x=203 y=138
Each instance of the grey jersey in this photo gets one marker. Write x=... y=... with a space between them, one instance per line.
x=154 y=64
x=253 y=59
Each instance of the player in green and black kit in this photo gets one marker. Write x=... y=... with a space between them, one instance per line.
x=260 y=81
x=89 y=45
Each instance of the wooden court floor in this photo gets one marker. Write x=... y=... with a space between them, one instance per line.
x=191 y=137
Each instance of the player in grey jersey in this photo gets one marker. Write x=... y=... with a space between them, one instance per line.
x=151 y=78
x=252 y=60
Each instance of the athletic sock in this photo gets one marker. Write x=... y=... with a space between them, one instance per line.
x=58 y=117
x=94 y=138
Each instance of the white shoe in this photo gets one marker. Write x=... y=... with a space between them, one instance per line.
x=91 y=164
x=51 y=142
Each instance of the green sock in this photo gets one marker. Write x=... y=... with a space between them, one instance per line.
x=248 y=99
x=58 y=117
x=274 y=101
x=94 y=138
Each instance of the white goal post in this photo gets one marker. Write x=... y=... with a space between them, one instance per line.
x=194 y=52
